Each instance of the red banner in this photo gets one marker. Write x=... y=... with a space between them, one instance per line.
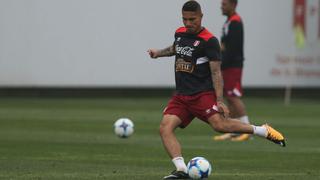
x=299 y=14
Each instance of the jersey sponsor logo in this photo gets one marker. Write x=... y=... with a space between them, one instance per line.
x=196 y=43
x=184 y=66
x=185 y=51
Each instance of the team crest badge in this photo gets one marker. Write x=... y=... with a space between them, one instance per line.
x=196 y=43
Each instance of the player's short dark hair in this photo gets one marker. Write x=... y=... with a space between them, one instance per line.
x=234 y=1
x=192 y=6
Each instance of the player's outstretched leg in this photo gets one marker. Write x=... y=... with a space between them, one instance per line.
x=235 y=126
x=177 y=175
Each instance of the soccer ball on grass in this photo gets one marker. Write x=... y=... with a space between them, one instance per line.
x=199 y=168
x=123 y=127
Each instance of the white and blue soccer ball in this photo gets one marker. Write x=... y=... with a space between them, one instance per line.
x=199 y=168
x=123 y=127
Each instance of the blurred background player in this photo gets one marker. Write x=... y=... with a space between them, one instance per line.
x=232 y=41
x=199 y=89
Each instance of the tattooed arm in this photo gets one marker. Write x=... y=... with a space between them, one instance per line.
x=155 y=53
x=218 y=86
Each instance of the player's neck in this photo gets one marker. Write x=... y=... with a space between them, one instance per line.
x=199 y=30
x=231 y=14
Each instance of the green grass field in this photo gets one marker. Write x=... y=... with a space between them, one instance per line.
x=65 y=138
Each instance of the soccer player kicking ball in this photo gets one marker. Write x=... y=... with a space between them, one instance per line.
x=199 y=89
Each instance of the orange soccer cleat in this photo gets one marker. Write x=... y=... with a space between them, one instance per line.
x=275 y=136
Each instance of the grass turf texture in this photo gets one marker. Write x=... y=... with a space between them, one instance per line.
x=73 y=139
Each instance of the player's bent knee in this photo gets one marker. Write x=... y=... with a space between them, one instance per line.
x=168 y=124
x=163 y=128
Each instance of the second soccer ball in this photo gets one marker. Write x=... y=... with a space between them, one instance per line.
x=123 y=127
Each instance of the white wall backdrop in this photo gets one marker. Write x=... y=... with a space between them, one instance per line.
x=103 y=43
